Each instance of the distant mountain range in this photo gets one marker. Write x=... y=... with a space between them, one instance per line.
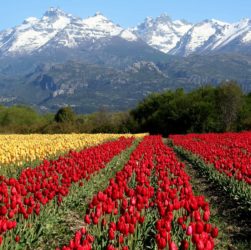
x=182 y=38
x=60 y=59
x=57 y=29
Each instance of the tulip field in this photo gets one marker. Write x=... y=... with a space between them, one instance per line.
x=16 y=149
x=226 y=158
x=229 y=153
x=116 y=191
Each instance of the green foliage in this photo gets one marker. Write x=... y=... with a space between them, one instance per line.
x=207 y=109
x=244 y=118
x=65 y=115
x=21 y=119
x=229 y=99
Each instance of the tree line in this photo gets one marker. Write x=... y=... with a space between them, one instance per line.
x=25 y=120
x=206 y=109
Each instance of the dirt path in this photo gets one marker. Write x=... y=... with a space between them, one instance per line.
x=233 y=222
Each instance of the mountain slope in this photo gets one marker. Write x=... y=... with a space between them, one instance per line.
x=236 y=39
x=87 y=87
x=162 y=33
x=33 y=33
x=213 y=36
x=58 y=37
x=58 y=29
x=200 y=38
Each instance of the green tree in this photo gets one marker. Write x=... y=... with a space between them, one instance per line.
x=244 y=122
x=65 y=115
x=230 y=103
x=207 y=109
x=19 y=119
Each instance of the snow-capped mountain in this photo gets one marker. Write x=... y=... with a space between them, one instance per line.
x=162 y=33
x=215 y=36
x=61 y=59
x=33 y=33
x=236 y=38
x=59 y=29
x=91 y=29
x=201 y=37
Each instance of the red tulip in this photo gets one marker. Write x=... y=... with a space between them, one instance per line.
x=184 y=245
x=161 y=243
x=206 y=215
x=199 y=227
x=87 y=219
x=111 y=234
x=17 y=238
x=200 y=245
x=214 y=232
x=189 y=230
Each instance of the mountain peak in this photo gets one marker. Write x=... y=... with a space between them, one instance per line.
x=148 y=19
x=31 y=20
x=99 y=21
x=98 y=16
x=98 y=13
x=161 y=32
x=219 y=22
x=245 y=21
x=164 y=17
x=55 y=12
x=212 y=22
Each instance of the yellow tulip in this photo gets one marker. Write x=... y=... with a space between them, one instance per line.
x=16 y=149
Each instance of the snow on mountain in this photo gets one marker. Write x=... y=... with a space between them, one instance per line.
x=240 y=31
x=90 y=29
x=200 y=37
x=247 y=37
x=181 y=38
x=128 y=35
x=162 y=33
x=59 y=29
x=56 y=28
x=212 y=36
x=34 y=33
x=98 y=26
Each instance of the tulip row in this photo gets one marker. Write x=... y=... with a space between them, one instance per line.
x=118 y=216
x=18 y=149
x=24 y=197
x=230 y=153
x=239 y=191
x=122 y=200
x=184 y=217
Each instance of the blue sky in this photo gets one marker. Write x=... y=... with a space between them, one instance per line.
x=127 y=12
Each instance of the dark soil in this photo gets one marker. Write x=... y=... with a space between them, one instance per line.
x=233 y=221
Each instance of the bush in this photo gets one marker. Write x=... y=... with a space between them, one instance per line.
x=65 y=114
